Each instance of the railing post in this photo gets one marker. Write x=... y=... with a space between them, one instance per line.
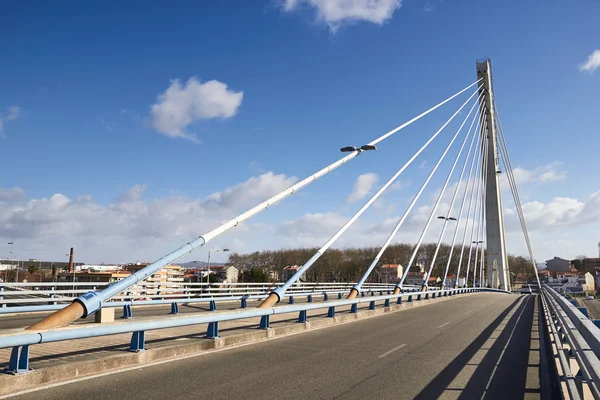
x=386 y=303
x=174 y=308
x=302 y=317
x=309 y=298
x=354 y=308
x=127 y=313
x=372 y=305
x=325 y=296
x=212 y=305
x=265 y=322
x=339 y=296
x=291 y=300
x=331 y=312
x=19 y=360
x=212 y=332
x=138 y=342
x=244 y=302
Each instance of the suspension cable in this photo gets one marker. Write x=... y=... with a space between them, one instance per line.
x=278 y=293
x=462 y=203
x=356 y=289
x=454 y=195
x=515 y=192
x=428 y=274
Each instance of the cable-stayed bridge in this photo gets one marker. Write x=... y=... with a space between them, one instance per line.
x=474 y=338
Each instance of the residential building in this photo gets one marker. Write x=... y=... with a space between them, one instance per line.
x=89 y=276
x=290 y=270
x=414 y=278
x=225 y=274
x=450 y=280
x=587 y=282
x=558 y=264
x=390 y=273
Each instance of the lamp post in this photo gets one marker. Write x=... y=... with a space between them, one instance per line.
x=208 y=266
x=446 y=219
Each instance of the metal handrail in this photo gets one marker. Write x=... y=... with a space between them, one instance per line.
x=83 y=331
x=582 y=336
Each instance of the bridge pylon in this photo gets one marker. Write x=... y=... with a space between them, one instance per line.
x=496 y=259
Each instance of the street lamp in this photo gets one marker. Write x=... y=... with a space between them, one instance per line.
x=208 y=266
x=350 y=149
x=447 y=219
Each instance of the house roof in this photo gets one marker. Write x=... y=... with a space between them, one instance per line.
x=292 y=267
x=391 y=265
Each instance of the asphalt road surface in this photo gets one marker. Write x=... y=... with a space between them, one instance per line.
x=479 y=346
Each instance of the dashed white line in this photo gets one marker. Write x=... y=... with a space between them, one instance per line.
x=468 y=312
x=443 y=325
x=387 y=353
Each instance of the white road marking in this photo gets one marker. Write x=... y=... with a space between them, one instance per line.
x=387 y=353
x=468 y=312
x=443 y=325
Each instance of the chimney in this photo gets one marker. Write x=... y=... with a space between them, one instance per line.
x=71 y=260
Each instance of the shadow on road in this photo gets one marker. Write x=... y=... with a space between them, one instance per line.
x=503 y=370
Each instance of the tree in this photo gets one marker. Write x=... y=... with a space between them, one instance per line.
x=32 y=269
x=253 y=275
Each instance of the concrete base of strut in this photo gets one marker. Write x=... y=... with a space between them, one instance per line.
x=397 y=290
x=353 y=293
x=269 y=301
x=61 y=318
x=105 y=315
x=424 y=288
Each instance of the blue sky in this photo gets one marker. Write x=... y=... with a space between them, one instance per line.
x=295 y=81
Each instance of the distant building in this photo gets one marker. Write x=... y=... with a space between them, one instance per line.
x=97 y=268
x=414 y=278
x=168 y=274
x=558 y=264
x=89 y=276
x=390 y=273
x=225 y=274
x=290 y=270
x=450 y=280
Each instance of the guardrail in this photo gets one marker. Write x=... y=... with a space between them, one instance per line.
x=170 y=293
x=20 y=342
x=575 y=342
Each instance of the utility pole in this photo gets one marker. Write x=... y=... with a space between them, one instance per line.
x=494 y=222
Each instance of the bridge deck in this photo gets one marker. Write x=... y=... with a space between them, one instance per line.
x=479 y=346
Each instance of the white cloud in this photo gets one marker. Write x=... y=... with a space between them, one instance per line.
x=13 y=113
x=133 y=194
x=15 y=193
x=362 y=187
x=130 y=228
x=181 y=105
x=592 y=63
x=336 y=12
x=543 y=174
x=399 y=185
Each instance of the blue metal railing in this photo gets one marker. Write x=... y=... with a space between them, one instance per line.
x=20 y=342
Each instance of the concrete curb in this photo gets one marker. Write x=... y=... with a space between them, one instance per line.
x=63 y=373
